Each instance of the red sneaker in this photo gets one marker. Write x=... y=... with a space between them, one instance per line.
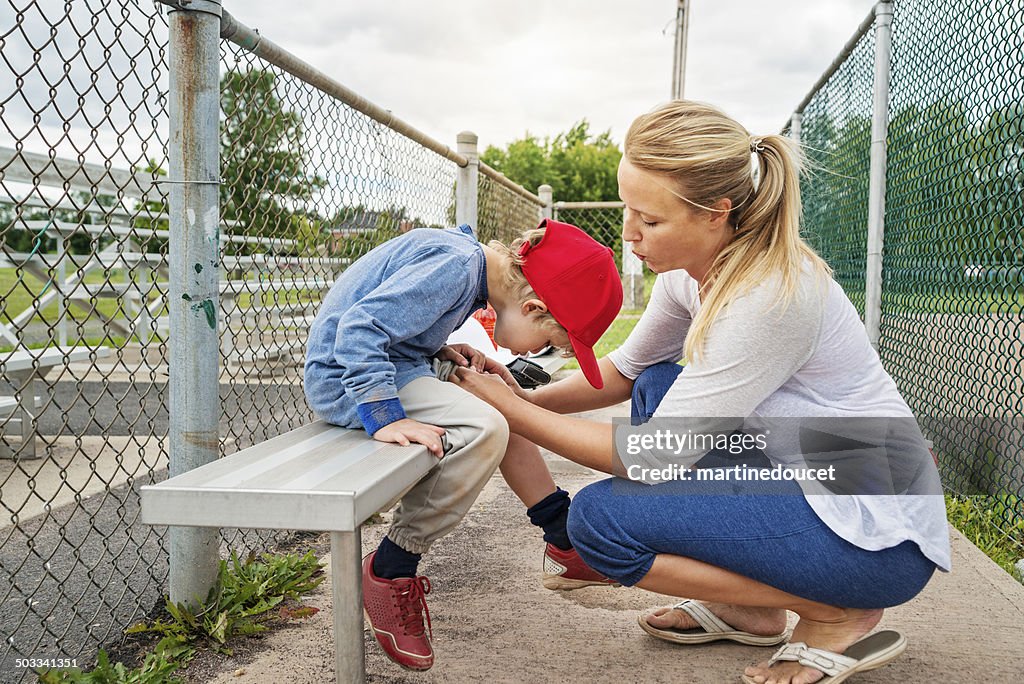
x=395 y=609
x=566 y=570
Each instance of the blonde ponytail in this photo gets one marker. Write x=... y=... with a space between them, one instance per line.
x=706 y=156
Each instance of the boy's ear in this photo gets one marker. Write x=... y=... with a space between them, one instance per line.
x=532 y=306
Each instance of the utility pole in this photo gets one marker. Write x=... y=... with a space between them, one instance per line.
x=679 y=57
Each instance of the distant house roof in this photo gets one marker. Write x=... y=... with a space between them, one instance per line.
x=356 y=223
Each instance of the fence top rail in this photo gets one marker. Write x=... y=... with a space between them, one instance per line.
x=90 y=208
x=847 y=50
x=246 y=38
x=504 y=180
x=589 y=205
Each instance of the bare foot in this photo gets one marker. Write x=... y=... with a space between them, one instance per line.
x=760 y=621
x=835 y=636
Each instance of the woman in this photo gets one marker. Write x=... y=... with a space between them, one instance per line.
x=766 y=332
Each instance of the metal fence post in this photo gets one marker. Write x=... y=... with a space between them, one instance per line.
x=795 y=122
x=194 y=256
x=546 y=193
x=876 y=184
x=632 y=275
x=466 y=182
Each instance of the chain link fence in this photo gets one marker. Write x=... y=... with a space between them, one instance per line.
x=504 y=213
x=954 y=247
x=601 y=220
x=949 y=310
x=82 y=356
x=309 y=182
x=834 y=129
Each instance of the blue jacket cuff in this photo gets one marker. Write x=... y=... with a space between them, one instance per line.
x=377 y=414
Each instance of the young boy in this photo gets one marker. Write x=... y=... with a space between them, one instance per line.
x=368 y=365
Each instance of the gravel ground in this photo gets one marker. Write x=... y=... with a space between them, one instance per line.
x=494 y=622
x=75 y=577
x=492 y=619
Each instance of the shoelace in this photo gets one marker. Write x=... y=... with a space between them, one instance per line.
x=410 y=597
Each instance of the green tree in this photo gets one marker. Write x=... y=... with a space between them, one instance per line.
x=310 y=236
x=835 y=194
x=262 y=161
x=152 y=213
x=933 y=219
x=527 y=161
x=578 y=165
x=999 y=158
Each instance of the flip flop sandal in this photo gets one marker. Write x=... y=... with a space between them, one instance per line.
x=711 y=628
x=869 y=653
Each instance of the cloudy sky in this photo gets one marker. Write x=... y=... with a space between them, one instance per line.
x=75 y=83
x=504 y=68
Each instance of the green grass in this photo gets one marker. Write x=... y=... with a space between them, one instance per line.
x=18 y=291
x=954 y=301
x=992 y=524
x=247 y=596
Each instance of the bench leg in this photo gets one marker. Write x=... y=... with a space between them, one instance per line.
x=26 y=381
x=347 y=593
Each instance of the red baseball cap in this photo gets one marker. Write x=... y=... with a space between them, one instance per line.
x=576 y=278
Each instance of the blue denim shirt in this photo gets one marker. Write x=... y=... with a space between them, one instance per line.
x=384 y=318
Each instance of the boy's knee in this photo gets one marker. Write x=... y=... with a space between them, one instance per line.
x=493 y=432
x=496 y=427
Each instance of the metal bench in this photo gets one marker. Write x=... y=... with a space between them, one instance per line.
x=318 y=477
x=24 y=369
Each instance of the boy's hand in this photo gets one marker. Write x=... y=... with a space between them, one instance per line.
x=407 y=431
x=463 y=355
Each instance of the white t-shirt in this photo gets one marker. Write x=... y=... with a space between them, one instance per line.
x=810 y=358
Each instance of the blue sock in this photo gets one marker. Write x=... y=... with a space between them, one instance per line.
x=550 y=514
x=392 y=561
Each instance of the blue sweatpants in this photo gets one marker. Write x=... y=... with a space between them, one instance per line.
x=619 y=526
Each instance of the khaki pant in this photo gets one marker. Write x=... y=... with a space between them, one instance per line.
x=475 y=441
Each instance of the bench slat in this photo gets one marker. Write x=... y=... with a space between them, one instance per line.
x=268 y=462
x=318 y=477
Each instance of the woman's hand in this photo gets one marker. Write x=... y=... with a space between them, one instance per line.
x=585 y=442
x=407 y=431
x=499 y=369
x=463 y=356
x=491 y=387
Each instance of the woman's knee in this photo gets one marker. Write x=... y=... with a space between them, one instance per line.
x=651 y=386
x=588 y=515
x=599 y=533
